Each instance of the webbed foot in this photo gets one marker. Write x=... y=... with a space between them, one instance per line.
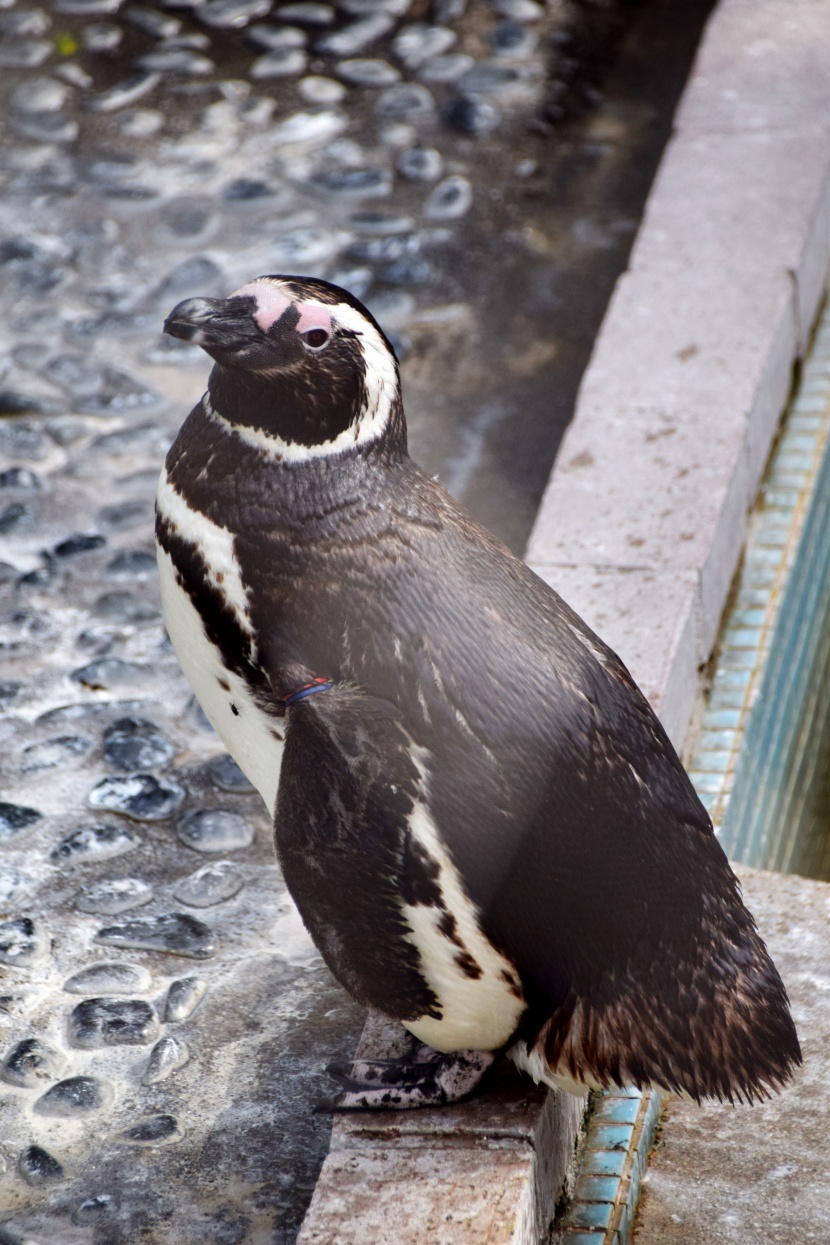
x=425 y=1079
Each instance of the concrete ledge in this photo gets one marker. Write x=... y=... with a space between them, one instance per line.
x=487 y=1171
x=641 y=529
x=735 y=1174
x=680 y=403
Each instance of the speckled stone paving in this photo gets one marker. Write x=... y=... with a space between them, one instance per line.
x=164 y=1020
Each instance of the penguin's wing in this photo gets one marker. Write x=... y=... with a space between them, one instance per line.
x=593 y=865
x=348 y=783
x=621 y=911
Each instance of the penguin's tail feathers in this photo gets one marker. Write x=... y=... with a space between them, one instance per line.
x=719 y=1029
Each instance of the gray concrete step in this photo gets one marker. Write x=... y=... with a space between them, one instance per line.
x=724 y=1175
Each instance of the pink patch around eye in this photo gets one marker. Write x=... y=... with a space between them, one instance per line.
x=313 y=318
x=272 y=304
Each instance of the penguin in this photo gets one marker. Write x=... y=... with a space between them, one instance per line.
x=483 y=824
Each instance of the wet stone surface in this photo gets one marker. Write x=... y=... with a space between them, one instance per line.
x=227 y=776
x=31 y=1063
x=20 y=942
x=109 y=979
x=94 y=842
x=76 y=1096
x=112 y=1022
x=167 y=1056
x=38 y=1167
x=175 y=933
x=212 y=884
x=15 y=817
x=61 y=750
x=132 y=744
x=110 y=898
x=142 y=797
x=458 y=168
x=215 y=830
x=156 y=1130
x=183 y=997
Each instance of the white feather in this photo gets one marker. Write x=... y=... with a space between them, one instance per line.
x=476 y=1013
x=534 y=1063
x=215 y=544
x=248 y=733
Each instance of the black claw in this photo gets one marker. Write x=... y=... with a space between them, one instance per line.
x=340 y=1071
x=346 y=1081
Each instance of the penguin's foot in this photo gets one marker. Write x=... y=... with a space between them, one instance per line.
x=428 y=1079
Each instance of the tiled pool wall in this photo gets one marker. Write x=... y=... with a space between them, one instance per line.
x=612 y=1164
x=762 y=756
x=761 y=759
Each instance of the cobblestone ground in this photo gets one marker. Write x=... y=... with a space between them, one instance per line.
x=164 y=1020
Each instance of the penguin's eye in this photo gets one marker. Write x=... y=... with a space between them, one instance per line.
x=316 y=339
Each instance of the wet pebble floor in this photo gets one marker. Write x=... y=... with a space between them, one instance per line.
x=475 y=173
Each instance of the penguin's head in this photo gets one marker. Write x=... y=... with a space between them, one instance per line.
x=301 y=364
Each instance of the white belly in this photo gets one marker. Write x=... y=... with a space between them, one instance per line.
x=478 y=1012
x=246 y=732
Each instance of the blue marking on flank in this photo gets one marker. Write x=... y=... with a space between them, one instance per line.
x=310 y=690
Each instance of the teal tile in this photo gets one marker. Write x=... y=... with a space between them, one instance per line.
x=807 y=401
x=728 y=697
x=603 y=1162
x=734 y=657
x=653 y=1111
x=722 y=718
x=632 y=1193
x=814 y=371
x=609 y=1136
x=782 y=479
x=624 y=1232
x=805 y=421
x=751 y=595
x=621 y=1111
x=780 y=497
x=729 y=689
x=596 y=1189
x=575 y=1237
x=627 y=1091
x=791 y=457
x=715 y=740
x=745 y=616
x=709 y=799
x=774 y=536
x=588 y=1215
x=802 y=442
x=758 y=557
x=764 y=577
x=711 y=762
x=730 y=678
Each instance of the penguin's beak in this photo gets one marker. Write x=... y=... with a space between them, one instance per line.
x=215 y=323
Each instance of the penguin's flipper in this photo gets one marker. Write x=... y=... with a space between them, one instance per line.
x=348 y=784
x=397 y=1085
